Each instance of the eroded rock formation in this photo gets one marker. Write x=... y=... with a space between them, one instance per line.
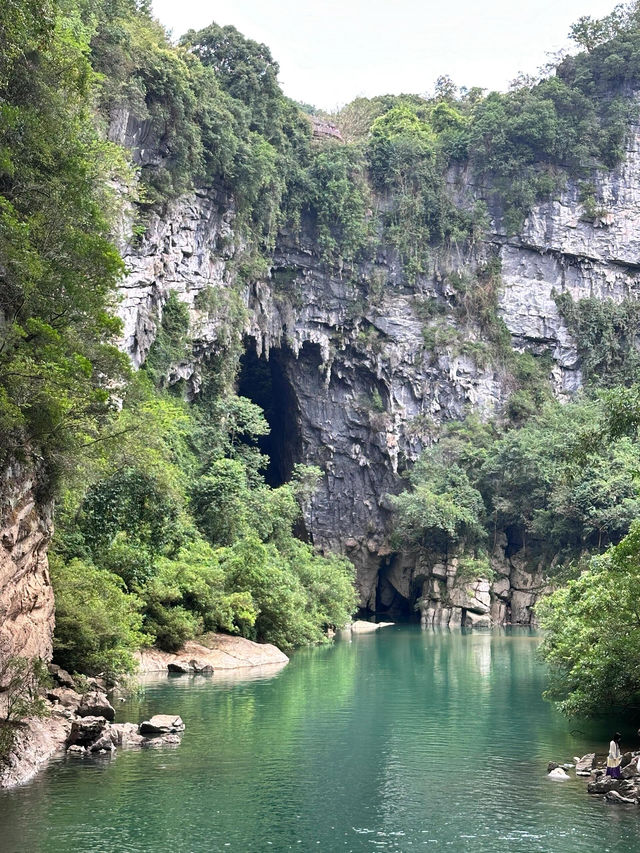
x=26 y=597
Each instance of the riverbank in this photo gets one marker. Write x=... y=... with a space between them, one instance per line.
x=212 y=652
x=37 y=740
x=344 y=746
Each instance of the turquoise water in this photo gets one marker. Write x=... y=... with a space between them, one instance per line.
x=401 y=741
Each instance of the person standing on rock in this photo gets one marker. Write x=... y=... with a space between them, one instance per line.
x=615 y=757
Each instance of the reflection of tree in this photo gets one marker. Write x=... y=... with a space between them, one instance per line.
x=399 y=732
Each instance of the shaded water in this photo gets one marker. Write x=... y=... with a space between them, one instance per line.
x=400 y=740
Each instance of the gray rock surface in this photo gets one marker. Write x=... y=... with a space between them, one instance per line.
x=162 y=724
x=66 y=697
x=586 y=764
x=94 y=704
x=87 y=730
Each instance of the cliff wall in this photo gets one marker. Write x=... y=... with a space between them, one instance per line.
x=26 y=596
x=365 y=391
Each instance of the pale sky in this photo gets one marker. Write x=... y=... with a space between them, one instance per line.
x=331 y=51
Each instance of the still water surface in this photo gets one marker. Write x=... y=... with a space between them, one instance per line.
x=400 y=740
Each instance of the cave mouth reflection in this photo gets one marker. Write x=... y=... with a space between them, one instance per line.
x=265 y=382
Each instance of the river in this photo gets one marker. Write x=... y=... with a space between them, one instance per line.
x=400 y=740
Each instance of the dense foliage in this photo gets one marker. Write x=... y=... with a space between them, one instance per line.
x=547 y=484
x=178 y=534
x=592 y=634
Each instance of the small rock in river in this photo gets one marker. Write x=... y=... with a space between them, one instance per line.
x=162 y=724
x=558 y=773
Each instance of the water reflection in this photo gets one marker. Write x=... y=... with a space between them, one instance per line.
x=396 y=740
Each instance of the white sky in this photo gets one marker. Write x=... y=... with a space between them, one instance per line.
x=330 y=51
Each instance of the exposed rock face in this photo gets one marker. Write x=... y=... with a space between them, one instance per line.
x=96 y=704
x=365 y=394
x=35 y=742
x=26 y=597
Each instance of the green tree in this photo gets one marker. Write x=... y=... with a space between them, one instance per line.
x=592 y=634
x=98 y=625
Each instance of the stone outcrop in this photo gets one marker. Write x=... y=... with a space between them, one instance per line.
x=96 y=703
x=34 y=744
x=212 y=652
x=26 y=596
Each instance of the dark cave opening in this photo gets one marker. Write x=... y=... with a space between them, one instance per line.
x=392 y=604
x=264 y=382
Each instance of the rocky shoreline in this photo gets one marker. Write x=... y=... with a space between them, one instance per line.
x=81 y=721
x=81 y=724
x=212 y=653
x=625 y=790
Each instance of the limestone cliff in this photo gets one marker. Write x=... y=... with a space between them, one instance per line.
x=26 y=596
x=363 y=391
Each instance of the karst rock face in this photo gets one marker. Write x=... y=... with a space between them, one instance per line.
x=363 y=393
x=26 y=596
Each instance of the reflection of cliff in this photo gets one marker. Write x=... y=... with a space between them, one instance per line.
x=366 y=386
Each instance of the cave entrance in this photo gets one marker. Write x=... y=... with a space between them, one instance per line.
x=390 y=602
x=265 y=382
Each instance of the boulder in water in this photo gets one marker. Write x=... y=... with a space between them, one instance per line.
x=180 y=666
x=96 y=704
x=558 y=773
x=162 y=724
x=87 y=730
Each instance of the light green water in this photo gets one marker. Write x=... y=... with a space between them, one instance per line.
x=401 y=740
